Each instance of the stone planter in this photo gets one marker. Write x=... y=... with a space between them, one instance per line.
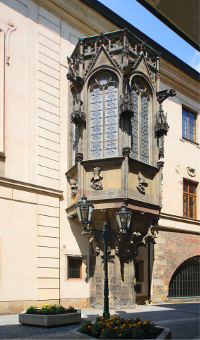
x=50 y=320
x=165 y=334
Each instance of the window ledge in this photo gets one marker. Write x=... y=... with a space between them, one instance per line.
x=189 y=141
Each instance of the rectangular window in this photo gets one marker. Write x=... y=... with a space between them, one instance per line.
x=188 y=125
x=189 y=199
x=74 y=268
x=139 y=271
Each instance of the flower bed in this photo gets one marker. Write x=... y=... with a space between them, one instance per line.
x=120 y=328
x=50 y=315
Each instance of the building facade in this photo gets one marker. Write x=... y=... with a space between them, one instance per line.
x=84 y=117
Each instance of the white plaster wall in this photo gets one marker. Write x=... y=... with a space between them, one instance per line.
x=179 y=154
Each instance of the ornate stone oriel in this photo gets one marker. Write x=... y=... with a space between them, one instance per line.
x=116 y=107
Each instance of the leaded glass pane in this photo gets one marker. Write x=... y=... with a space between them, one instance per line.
x=104 y=116
x=144 y=129
x=134 y=125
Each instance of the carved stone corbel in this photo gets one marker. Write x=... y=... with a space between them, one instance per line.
x=96 y=179
x=128 y=248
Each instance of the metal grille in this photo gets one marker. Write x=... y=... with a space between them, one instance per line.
x=74 y=268
x=186 y=279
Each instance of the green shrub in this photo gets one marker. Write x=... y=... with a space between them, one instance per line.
x=119 y=328
x=49 y=309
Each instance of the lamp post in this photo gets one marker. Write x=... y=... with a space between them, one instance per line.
x=84 y=212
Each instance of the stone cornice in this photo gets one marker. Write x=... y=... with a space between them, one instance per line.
x=180 y=224
x=14 y=184
x=179 y=218
x=74 y=13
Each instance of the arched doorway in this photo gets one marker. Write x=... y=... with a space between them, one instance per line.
x=185 y=281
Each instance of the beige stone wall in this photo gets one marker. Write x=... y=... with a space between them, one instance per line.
x=35 y=234
x=29 y=234
x=33 y=223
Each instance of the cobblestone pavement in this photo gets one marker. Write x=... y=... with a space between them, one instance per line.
x=182 y=318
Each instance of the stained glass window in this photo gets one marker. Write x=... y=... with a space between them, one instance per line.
x=140 y=122
x=104 y=116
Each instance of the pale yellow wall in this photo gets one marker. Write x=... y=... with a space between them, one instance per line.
x=36 y=150
x=18 y=235
x=29 y=236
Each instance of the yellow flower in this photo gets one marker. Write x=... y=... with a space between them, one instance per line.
x=120 y=334
x=134 y=324
x=115 y=327
x=139 y=323
x=89 y=326
x=145 y=322
x=91 y=319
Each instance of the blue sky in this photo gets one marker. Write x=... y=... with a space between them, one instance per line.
x=138 y=16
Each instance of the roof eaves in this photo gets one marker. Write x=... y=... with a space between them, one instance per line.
x=122 y=23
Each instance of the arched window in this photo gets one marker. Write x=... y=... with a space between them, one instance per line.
x=140 y=121
x=186 y=279
x=103 y=90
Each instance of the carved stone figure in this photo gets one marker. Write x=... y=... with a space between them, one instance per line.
x=191 y=171
x=162 y=126
x=96 y=179
x=142 y=184
x=74 y=186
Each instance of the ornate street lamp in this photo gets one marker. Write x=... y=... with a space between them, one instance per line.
x=84 y=212
x=124 y=219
